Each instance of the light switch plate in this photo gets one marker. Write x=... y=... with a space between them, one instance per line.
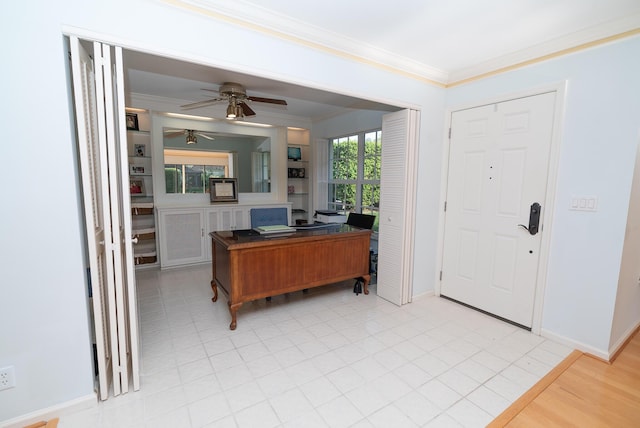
x=584 y=203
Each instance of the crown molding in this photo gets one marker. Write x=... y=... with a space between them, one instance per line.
x=258 y=18
x=571 y=43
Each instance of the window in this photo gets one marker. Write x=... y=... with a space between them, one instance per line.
x=189 y=171
x=354 y=173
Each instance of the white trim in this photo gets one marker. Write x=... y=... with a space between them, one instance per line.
x=627 y=334
x=549 y=202
x=549 y=207
x=422 y=296
x=575 y=344
x=68 y=407
x=250 y=15
x=181 y=55
x=560 y=44
x=282 y=26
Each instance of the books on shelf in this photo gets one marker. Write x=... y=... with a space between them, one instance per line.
x=278 y=228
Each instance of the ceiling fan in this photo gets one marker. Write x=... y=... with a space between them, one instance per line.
x=190 y=134
x=236 y=95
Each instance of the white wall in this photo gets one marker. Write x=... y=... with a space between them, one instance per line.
x=627 y=309
x=598 y=150
x=45 y=332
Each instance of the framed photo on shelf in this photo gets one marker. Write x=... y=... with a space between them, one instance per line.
x=132 y=121
x=223 y=190
x=136 y=187
x=136 y=169
x=140 y=150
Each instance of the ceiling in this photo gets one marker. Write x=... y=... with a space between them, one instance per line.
x=441 y=42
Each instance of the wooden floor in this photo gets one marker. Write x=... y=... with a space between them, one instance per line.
x=582 y=392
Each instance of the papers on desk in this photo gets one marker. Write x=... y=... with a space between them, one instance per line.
x=278 y=228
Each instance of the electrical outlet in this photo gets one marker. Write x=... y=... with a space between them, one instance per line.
x=7 y=378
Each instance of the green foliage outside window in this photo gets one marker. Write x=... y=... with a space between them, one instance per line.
x=196 y=177
x=355 y=173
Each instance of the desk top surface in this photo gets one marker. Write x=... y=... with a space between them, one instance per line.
x=250 y=237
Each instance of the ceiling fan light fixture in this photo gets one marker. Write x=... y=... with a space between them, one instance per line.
x=191 y=138
x=231 y=111
x=232 y=108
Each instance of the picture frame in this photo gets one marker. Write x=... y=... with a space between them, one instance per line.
x=140 y=150
x=296 y=173
x=223 y=190
x=132 y=121
x=136 y=187
x=136 y=169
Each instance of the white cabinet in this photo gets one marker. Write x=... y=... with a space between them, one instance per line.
x=224 y=218
x=181 y=237
x=184 y=232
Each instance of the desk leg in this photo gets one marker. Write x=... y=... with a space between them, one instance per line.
x=232 y=310
x=365 y=288
x=214 y=287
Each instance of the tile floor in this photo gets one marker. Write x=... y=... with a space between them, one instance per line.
x=327 y=358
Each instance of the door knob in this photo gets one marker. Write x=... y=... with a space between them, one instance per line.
x=534 y=218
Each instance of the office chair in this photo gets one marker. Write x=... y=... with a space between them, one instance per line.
x=268 y=217
x=363 y=221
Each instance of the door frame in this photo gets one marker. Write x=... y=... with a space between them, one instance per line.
x=560 y=89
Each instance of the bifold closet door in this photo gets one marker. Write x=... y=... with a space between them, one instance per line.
x=397 y=205
x=95 y=193
x=98 y=98
x=127 y=319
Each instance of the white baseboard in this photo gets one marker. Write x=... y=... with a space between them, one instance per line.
x=603 y=354
x=627 y=334
x=81 y=403
x=423 y=295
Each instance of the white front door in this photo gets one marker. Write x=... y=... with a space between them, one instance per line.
x=498 y=167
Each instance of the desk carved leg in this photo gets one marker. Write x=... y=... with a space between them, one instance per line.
x=214 y=287
x=233 y=309
x=365 y=287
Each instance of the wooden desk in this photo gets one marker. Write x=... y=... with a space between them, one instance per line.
x=249 y=266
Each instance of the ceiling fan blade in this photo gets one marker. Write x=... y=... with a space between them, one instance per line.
x=200 y=134
x=268 y=100
x=246 y=110
x=201 y=103
x=173 y=134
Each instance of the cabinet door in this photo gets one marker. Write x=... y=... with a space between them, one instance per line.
x=181 y=237
x=215 y=221
x=227 y=218
x=241 y=218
